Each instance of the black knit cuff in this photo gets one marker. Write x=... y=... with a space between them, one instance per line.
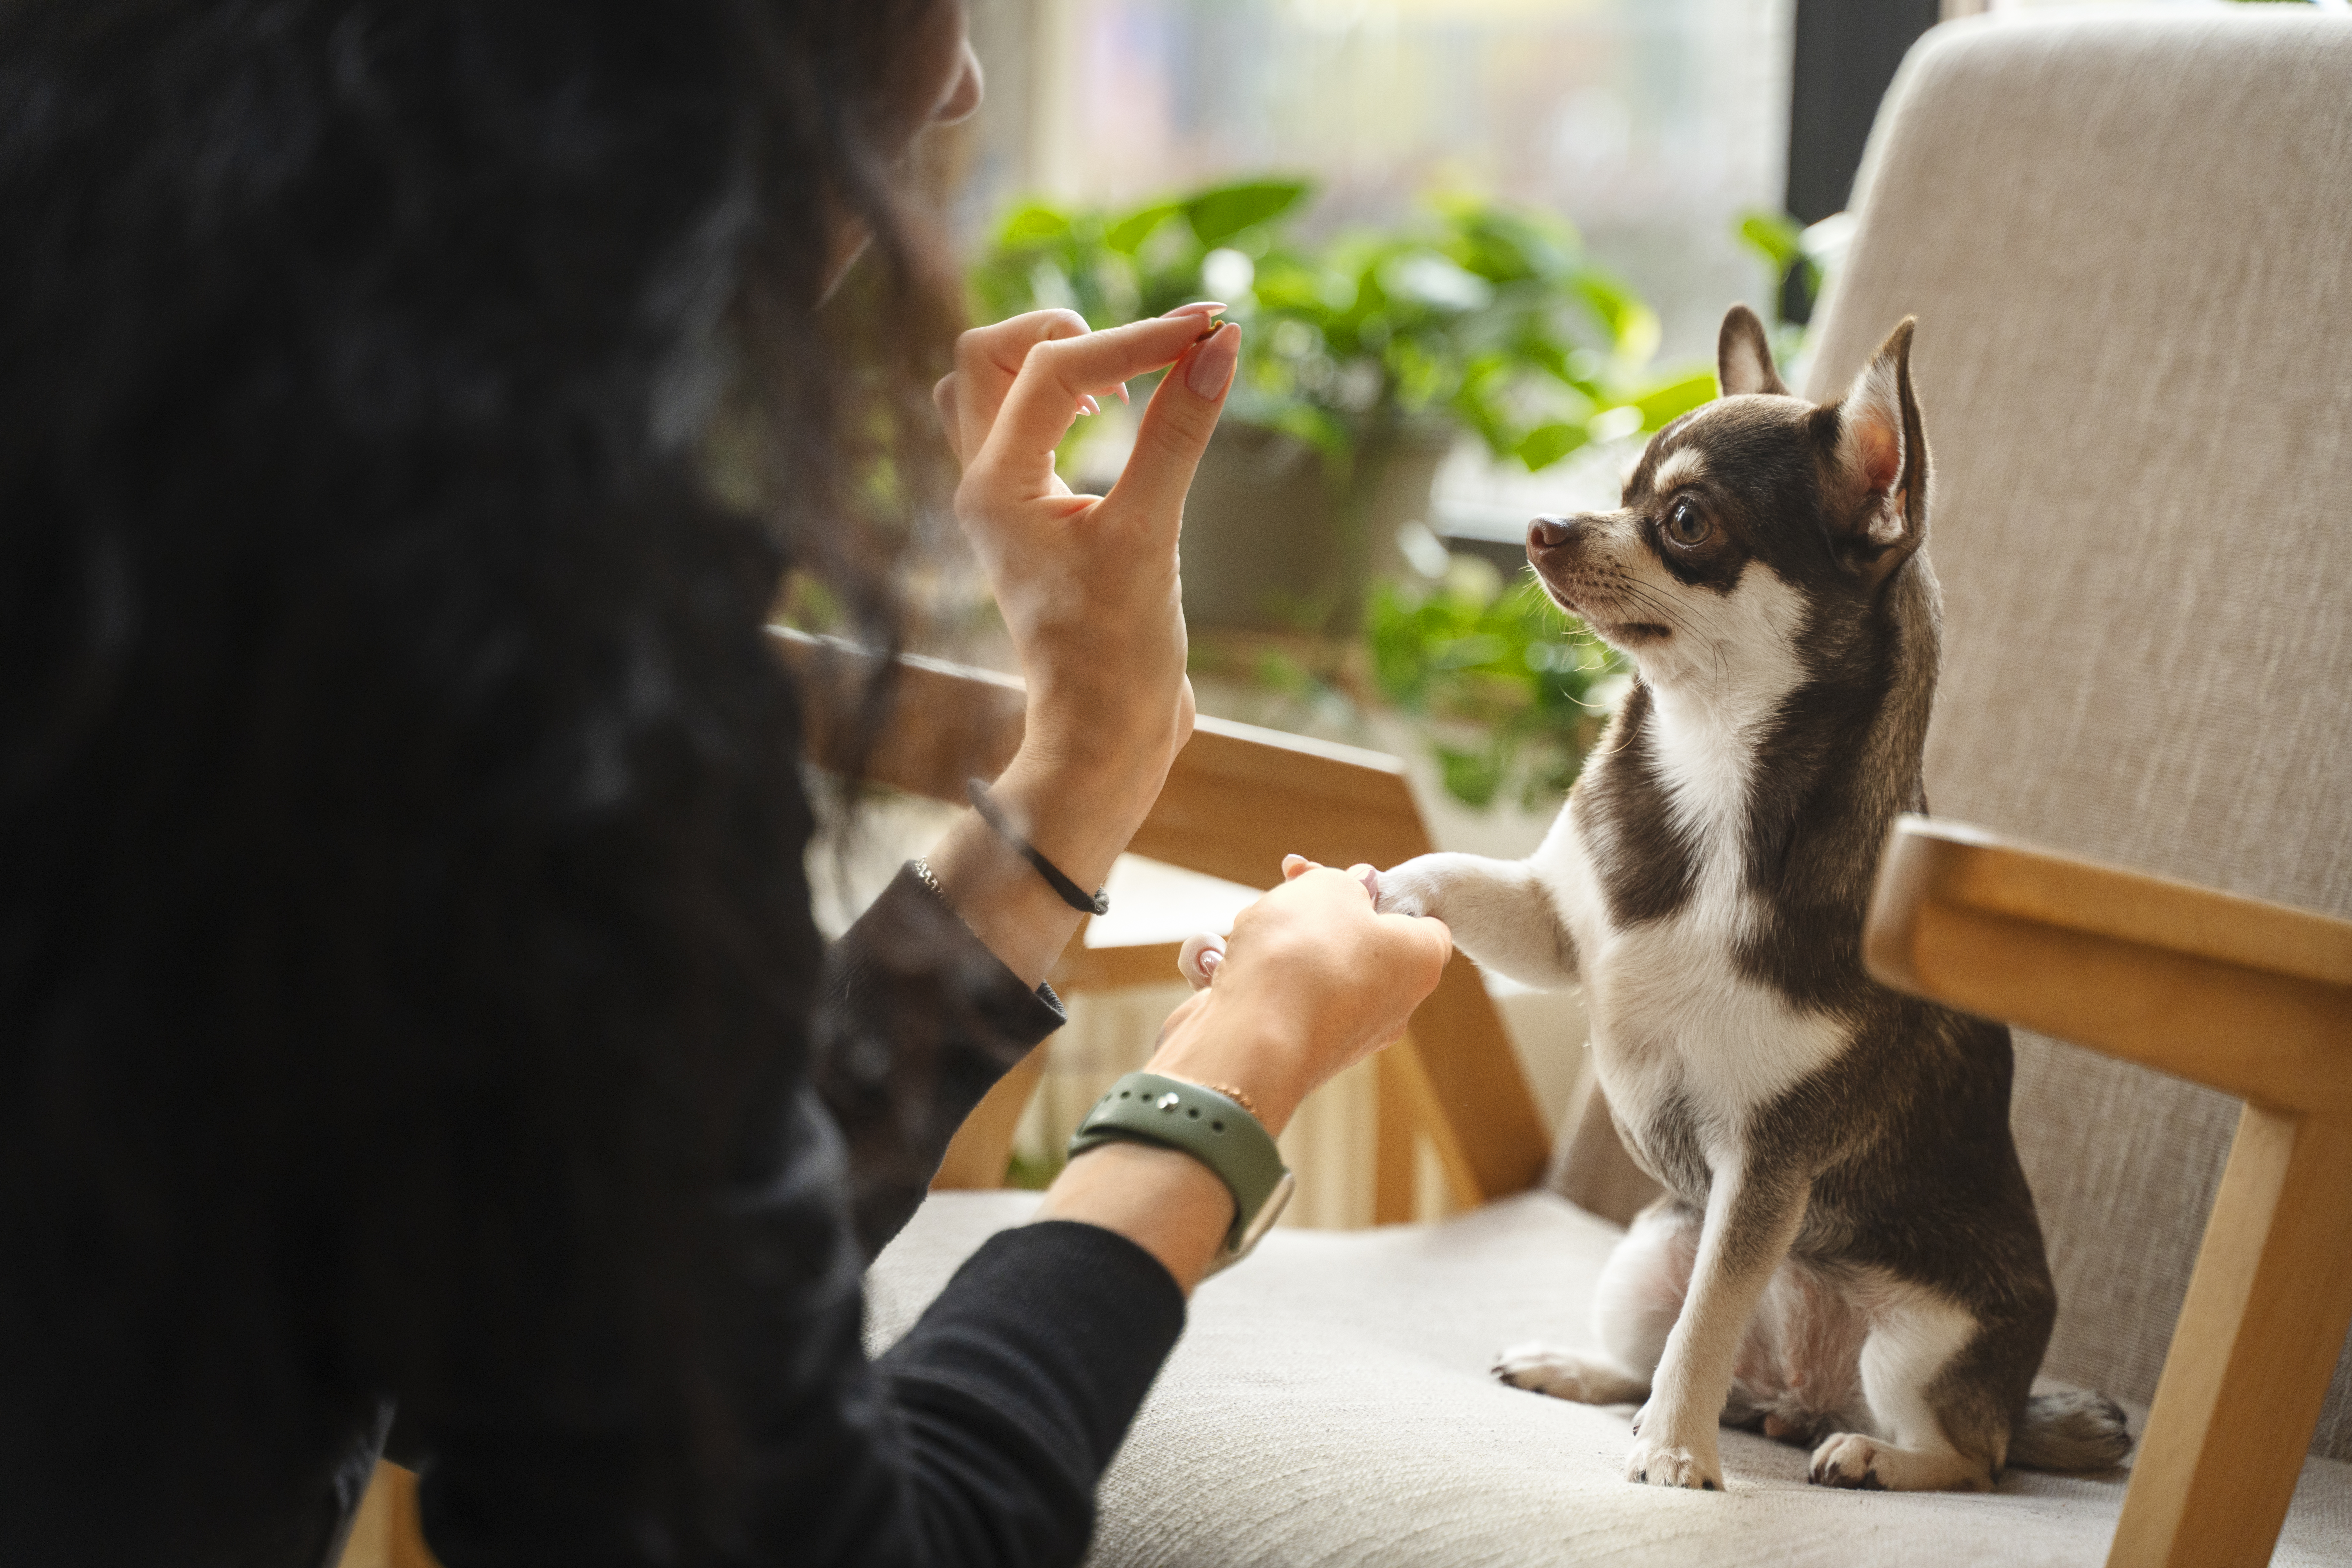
x=919 y=1021
x=1066 y=1322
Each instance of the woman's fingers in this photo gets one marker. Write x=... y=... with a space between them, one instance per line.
x=988 y=361
x=1037 y=408
x=1296 y=866
x=1198 y=959
x=1177 y=426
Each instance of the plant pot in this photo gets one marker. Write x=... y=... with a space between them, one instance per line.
x=1271 y=544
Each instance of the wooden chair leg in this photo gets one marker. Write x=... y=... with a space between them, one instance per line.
x=1409 y=1081
x=1470 y=1093
x=385 y=1532
x=2265 y=1318
x=369 y=1544
x=1393 y=1151
x=407 y=1541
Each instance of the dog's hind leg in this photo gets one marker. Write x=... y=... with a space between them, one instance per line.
x=1919 y=1368
x=1635 y=1304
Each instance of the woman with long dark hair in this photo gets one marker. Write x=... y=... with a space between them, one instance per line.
x=413 y=1035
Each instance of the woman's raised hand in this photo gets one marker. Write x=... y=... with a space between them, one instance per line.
x=1089 y=590
x=1088 y=584
x=1312 y=981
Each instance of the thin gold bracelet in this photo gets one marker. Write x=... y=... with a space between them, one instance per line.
x=1236 y=1095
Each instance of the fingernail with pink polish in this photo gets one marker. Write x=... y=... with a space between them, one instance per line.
x=1198 y=308
x=1210 y=958
x=1088 y=406
x=1213 y=361
x=1372 y=883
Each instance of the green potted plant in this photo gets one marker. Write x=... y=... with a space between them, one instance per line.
x=1364 y=358
x=1509 y=693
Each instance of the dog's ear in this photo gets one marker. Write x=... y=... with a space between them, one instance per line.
x=1743 y=356
x=1878 y=461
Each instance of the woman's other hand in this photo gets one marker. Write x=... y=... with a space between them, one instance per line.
x=1088 y=584
x=1312 y=981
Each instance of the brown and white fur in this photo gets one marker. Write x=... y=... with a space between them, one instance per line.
x=1847 y=1256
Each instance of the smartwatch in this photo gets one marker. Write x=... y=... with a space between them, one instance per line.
x=1145 y=1108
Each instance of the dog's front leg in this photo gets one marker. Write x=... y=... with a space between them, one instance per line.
x=1749 y=1224
x=1501 y=912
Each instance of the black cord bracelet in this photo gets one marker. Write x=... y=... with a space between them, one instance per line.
x=1071 y=893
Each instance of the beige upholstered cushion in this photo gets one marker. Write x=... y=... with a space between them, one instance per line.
x=1330 y=1404
x=2128 y=243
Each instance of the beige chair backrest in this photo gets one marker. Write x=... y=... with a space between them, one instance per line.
x=2128 y=243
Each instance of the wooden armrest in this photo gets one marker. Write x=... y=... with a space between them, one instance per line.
x=2248 y=997
x=1237 y=800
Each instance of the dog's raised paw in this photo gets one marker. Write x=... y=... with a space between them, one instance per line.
x=1565 y=1374
x=1393 y=895
x=1848 y=1460
x=1663 y=1465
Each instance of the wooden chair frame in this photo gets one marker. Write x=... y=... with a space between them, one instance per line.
x=2248 y=997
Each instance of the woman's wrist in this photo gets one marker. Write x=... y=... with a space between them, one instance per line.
x=1078 y=807
x=1163 y=1200
x=1235 y=1046
x=1081 y=818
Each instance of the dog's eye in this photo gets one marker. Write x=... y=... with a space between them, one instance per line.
x=1686 y=526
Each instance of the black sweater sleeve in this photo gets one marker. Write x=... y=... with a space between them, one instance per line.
x=1018 y=1385
x=978 y=1439
x=919 y=1021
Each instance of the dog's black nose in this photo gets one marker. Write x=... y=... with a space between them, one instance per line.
x=1549 y=532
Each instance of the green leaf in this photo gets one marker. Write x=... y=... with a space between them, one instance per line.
x=1779 y=239
x=1776 y=237
x=1035 y=224
x=1126 y=235
x=1218 y=215
x=1670 y=400
x=1547 y=443
x=1471 y=777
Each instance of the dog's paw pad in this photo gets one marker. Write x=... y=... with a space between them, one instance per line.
x=1847 y=1460
x=1663 y=1465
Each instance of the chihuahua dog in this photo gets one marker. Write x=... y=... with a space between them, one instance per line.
x=1847 y=1256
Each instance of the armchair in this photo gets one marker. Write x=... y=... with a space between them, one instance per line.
x=2123 y=238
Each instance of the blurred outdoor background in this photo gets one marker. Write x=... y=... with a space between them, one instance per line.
x=1480 y=249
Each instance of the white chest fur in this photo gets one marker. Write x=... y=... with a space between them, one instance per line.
x=1670 y=1013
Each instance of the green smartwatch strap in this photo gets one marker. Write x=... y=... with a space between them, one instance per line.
x=1145 y=1108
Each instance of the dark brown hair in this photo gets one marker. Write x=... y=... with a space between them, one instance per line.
x=407 y=413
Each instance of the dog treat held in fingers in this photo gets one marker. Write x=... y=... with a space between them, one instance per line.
x=1847 y=1256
